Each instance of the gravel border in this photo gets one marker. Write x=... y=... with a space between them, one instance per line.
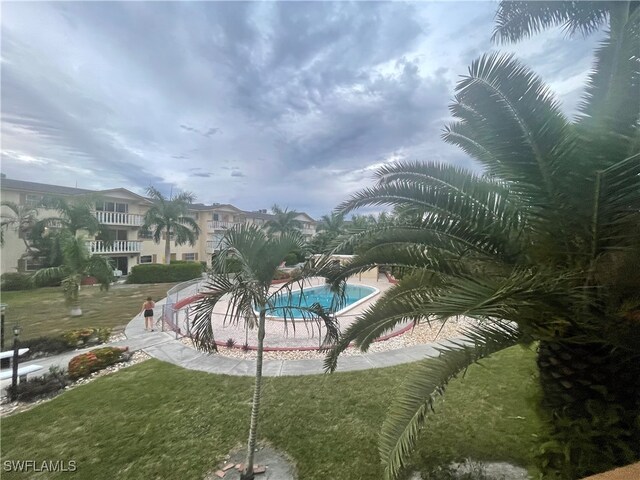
x=421 y=334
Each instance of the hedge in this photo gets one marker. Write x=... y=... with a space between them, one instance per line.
x=16 y=281
x=161 y=273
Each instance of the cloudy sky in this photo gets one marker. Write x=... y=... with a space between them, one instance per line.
x=247 y=103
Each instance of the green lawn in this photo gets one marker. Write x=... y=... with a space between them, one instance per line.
x=43 y=311
x=158 y=421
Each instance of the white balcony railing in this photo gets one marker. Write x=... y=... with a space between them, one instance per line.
x=213 y=246
x=216 y=225
x=116 y=246
x=118 y=218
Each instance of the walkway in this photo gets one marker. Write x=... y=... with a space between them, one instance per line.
x=166 y=347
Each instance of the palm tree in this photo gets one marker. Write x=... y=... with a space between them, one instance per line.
x=246 y=287
x=516 y=20
x=332 y=223
x=77 y=264
x=284 y=221
x=545 y=246
x=21 y=219
x=170 y=216
x=76 y=214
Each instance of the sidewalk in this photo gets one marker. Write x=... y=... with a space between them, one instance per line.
x=164 y=346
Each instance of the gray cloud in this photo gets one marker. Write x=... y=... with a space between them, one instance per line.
x=297 y=101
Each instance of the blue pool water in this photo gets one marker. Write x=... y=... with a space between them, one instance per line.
x=321 y=295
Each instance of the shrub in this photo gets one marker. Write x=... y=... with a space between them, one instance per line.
x=35 y=387
x=230 y=343
x=161 y=273
x=291 y=259
x=42 y=346
x=232 y=265
x=85 y=364
x=87 y=336
x=16 y=281
x=280 y=275
x=46 y=281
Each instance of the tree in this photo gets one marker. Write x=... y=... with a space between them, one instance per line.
x=21 y=219
x=545 y=246
x=75 y=215
x=332 y=223
x=244 y=270
x=330 y=228
x=77 y=264
x=284 y=221
x=170 y=216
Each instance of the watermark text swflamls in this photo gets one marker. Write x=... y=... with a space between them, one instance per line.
x=24 y=466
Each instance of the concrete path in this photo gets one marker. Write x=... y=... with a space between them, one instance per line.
x=166 y=347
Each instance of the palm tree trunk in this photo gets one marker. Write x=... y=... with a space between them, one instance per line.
x=167 y=248
x=592 y=394
x=255 y=407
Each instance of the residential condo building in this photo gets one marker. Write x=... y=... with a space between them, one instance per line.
x=122 y=212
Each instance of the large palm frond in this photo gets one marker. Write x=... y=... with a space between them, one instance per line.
x=408 y=412
x=528 y=137
x=516 y=20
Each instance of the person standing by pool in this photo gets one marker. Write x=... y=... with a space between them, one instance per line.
x=147 y=308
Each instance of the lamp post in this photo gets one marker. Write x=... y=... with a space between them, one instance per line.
x=3 y=307
x=14 y=378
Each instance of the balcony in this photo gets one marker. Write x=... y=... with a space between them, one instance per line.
x=216 y=225
x=117 y=246
x=118 y=218
x=213 y=246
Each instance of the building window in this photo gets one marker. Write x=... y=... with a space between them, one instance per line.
x=190 y=257
x=215 y=217
x=32 y=200
x=146 y=259
x=112 y=207
x=145 y=235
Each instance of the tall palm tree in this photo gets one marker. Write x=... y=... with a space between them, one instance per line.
x=74 y=215
x=246 y=286
x=544 y=246
x=170 y=216
x=77 y=264
x=21 y=219
x=332 y=223
x=284 y=221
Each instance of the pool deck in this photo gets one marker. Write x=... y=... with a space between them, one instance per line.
x=167 y=347
x=297 y=335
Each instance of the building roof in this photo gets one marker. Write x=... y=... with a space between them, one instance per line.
x=270 y=216
x=10 y=184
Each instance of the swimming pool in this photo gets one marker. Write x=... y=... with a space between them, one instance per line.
x=355 y=294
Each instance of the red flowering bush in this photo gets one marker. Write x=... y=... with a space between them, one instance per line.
x=85 y=364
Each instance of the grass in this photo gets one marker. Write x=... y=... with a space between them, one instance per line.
x=42 y=311
x=156 y=420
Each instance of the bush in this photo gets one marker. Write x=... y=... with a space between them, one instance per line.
x=42 y=346
x=87 y=336
x=161 y=273
x=48 y=281
x=85 y=364
x=280 y=275
x=53 y=381
x=16 y=281
x=291 y=259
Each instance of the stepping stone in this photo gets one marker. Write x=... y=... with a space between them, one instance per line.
x=239 y=466
x=220 y=474
x=228 y=466
x=258 y=469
